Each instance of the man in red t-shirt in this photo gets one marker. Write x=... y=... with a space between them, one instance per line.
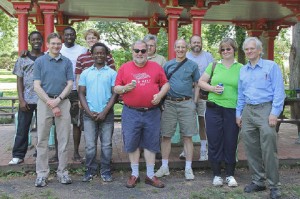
x=143 y=84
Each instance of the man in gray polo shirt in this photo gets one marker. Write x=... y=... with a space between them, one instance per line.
x=53 y=80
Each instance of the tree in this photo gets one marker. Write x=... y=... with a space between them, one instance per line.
x=294 y=58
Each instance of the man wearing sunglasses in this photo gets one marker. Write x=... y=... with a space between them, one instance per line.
x=143 y=84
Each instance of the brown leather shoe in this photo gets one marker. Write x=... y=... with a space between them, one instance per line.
x=155 y=182
x=132 y=181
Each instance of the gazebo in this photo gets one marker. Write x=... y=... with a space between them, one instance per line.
x=260 y=18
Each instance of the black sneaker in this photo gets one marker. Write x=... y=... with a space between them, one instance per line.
x=87 y=177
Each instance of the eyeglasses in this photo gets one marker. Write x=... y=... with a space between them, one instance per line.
x=143 y=51
x=227 y=49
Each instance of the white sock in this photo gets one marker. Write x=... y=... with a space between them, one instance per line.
x=188 y=165
x=203 y=145
x=150 y=170
x=165 y=163
x=135 y=170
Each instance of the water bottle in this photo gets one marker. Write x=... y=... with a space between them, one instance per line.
x=220 y=84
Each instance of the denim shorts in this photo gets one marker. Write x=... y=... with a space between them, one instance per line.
x=141 y=129
x=184 y=113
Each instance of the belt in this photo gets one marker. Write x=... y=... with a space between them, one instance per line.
x=210 y=104
x=55 y=96
x=258 y=105
x=177 y=99
x=142 y=109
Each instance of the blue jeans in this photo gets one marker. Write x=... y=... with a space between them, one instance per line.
x=104 y=130
x=21 y=140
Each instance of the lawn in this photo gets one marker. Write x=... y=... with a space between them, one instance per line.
x=5 y=72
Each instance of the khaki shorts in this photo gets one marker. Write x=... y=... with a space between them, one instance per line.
x=184 y=113
x=201 y=107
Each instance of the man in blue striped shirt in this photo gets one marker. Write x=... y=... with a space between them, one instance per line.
x=260 y=102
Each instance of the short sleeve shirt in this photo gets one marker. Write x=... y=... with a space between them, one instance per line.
x=24 y=68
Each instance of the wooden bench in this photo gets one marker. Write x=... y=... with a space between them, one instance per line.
x=295 y=118
x=9 y=110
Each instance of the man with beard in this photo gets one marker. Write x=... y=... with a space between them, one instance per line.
x=203 y=59
x=27 y=97
x=143 y=84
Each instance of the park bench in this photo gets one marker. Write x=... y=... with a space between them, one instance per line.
x=9 y=110
x=294 y=119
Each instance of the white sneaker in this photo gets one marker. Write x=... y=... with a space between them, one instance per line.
x=203 y=156
x=231 y=181
x=189 y=174
x=218 y=181
x=162 y=171
x=15 y=161
x=182 y=156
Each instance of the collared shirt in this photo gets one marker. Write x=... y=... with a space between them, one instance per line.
x=259 y=84
x=84 y=61
x=98 y=83
x=24 y=68
x=158 y=59
x=203 y=60
x=53 y=73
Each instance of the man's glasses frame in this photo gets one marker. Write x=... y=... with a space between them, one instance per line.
x=143 y=51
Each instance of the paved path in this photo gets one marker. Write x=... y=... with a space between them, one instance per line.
x=289 y=152
x=8 y=86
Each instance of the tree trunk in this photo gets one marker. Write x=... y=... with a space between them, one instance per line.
x=240 y=38
x=294 y=58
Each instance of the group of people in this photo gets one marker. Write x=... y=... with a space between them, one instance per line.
x=70 y=81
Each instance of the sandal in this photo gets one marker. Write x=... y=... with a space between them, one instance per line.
x=15 y=161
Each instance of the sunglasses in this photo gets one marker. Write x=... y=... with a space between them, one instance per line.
x=227 y=49
x=143 y=51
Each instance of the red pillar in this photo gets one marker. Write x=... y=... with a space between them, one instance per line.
x=48 y=9
x=22 y=9
x=270 y=36
x=197 y=16
x=173 y=14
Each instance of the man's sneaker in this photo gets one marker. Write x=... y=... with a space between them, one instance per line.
x=15 y=161
x=231 y=182
x=182 y=156
x=64 y=179
x=218 y=181
x=203 y=156
x=162 y=171
x=106 y=176
x=87 y=177
x=189 y=174
x=41 y=182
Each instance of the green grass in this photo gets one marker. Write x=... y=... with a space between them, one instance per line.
x=5 y=72
x=8 y=79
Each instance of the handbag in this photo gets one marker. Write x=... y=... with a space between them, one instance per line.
x=162 y=101
x=204 y=93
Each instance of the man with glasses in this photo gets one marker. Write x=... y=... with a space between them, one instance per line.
x=53 y=80
x=143 y=84
x=151 y=41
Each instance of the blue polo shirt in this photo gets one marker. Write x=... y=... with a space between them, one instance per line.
x=54 y=73
x=259 y=84
x=98 y=83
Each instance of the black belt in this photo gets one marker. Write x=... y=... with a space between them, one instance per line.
x=177 y=99
x=210 y=104
x=142 y=109
x=258 y=105
x=54 y=96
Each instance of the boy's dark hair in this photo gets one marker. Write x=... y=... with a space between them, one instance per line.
x=100 y=44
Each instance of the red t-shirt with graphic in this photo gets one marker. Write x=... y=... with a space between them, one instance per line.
x=149 y=80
